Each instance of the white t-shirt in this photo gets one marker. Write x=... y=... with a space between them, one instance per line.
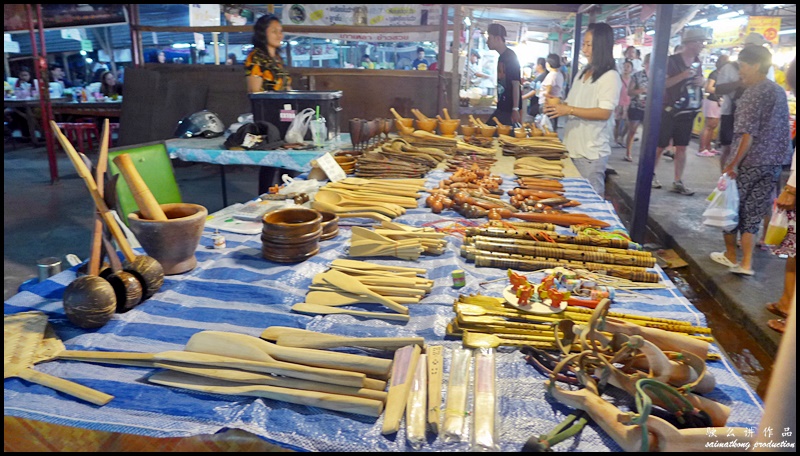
x=591 y=139
x=554 y=79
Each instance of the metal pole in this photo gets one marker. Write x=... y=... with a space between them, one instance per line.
x=652 y=121
x=440 y=58
x=39 y=66
x=576 y=46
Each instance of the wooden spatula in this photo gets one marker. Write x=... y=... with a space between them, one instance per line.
x=340 y=298
x=316 y=309
x=365 y=265
x=349 y=404
x=250 y=347
x=22 y=336
x=256 y=378
x=346 y=283
x=293 y=337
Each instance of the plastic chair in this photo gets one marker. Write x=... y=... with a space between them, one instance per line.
x=153 y=163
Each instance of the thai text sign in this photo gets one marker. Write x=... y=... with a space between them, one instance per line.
x=365 y=15
x=767 y=26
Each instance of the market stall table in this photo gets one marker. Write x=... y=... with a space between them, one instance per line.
x=61 y=107
x=235 y=289
x=212 y=150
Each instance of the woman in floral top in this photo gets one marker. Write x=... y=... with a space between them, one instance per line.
x=761 y=141
x=264 y=65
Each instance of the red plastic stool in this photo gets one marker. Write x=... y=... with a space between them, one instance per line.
x=78 y=131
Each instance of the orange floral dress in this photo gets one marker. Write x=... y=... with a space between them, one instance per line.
x=274 y=75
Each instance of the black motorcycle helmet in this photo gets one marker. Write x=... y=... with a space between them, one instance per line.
x=202 y=123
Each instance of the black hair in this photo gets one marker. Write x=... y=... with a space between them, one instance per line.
x=756 y=55
x=791 y=74
x=25 y=69
x=554 y=61
x=260 y=31
x=542 y=61
x=56 y=66
x=419 y=49
x=366 y=56
x=602 y=50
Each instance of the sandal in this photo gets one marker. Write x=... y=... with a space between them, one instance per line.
x=738 y=270
x=773 y=308
x=628 y=159
x=777 y=325
x=720 y=258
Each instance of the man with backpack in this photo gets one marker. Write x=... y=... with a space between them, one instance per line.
x=683 y=98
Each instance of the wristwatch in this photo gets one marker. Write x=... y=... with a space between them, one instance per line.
x=515 y=109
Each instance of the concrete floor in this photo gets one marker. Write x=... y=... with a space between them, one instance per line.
x=42 y=219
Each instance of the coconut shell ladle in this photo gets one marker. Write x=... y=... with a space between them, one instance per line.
x=149 y=271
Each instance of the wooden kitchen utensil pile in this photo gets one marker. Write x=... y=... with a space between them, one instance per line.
x=467 y=154
x=540 y=146
x=396 y=240
x=399 y=159
x=538 y=167
x=351 y=282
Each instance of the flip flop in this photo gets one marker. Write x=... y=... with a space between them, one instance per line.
x=720 y=258
x=777 y=325
x=738 y=270
x=773 y=308
x=628 y=159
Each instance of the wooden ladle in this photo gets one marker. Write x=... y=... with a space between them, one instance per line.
x=343 y=213
x=367 y=196
x=150 y=273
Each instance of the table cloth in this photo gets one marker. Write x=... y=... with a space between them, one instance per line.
x=236 y=289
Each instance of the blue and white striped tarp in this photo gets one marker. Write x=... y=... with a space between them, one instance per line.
x=235 y=289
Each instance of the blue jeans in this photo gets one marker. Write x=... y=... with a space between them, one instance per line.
x=594 y=171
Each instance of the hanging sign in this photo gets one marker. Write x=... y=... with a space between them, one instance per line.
x=767 y=26
x=204 y=15
x=71 y=34
x=86 y=45
x=10 y=47
x=377 y=15
x=377 y=37
x=199 y=42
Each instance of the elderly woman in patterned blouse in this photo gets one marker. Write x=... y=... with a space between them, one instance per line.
x=761 y=142
x=264 y=65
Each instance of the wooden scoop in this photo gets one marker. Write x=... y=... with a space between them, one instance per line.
x=316 y=309
x=23 y=334
x=147 y=203
x=346 y=283
x=256 y=378
x=252 y=348
x=347 y=204
x=294 y=337
x=349 y=404
x=344 y=213
x=373 y=197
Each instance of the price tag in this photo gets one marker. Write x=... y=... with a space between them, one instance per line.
x=331 y=167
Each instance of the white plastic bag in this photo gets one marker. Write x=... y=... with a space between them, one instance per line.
x=778 y=227
x=723 y=208
x=299 y=126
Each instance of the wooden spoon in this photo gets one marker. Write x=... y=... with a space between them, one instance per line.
x=341 y=403
x=316 y=309
x=295 y=337
x=479 y=340
x=322 y=206
x=373 y=197
x=253 y=348
x=346 y=283
x=256 y=378
x=351 y=205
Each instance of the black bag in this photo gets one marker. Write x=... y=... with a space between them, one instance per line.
x=269 y=134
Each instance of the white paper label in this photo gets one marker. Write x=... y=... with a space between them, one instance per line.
x=331 y=167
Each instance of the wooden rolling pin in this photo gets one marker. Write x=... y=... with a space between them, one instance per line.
x=147 y=203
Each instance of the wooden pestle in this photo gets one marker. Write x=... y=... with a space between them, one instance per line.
x=497 y=121
x=446 y=114
x=96 y=254
x=148 y=206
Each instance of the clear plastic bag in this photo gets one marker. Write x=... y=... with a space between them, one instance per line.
x=299 y=126
x=723 y=206
x=778 y=227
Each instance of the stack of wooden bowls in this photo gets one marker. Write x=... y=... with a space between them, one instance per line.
x=330 y=225
x=291 y=235
x=347 y=162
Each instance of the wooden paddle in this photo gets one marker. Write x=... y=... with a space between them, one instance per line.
x=365 y=265
x=295 y=337
x=405 y=364
x=373 y=272
x=349 y=404
x=340 y=298
x=250 y=347
x=346 y=283
x=255 y=378
x=316 y=309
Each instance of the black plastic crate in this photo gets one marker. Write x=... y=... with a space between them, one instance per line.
x=268 y=106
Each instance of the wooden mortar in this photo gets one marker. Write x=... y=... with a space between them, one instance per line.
x=172 y=242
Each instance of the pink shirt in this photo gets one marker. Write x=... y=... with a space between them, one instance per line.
x=624 y=98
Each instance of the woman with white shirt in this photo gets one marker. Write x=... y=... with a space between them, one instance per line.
x=553 y=83
x=590 y=104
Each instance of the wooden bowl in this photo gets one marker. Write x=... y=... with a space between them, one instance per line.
x=468 y=130
x=428 y=124
x=448 y=127
x=504 y=129
x=520 y=133
x=291 y=222
x=330 y=225
x=488 y=131
x=407 y=122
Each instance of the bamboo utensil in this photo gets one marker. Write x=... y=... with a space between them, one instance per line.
x=295 y=337
x=340 y=298
x=341 y=403
x=344 y=213
x=345 y=204
x=255 y=378
x=346 y=283
x=316 y=309
x=23 y=334
x=148 y=206
x=356 y=264
x=403 y=369
x=435 y=363
x=252 y=348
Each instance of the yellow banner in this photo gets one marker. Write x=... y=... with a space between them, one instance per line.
x=767 y=26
